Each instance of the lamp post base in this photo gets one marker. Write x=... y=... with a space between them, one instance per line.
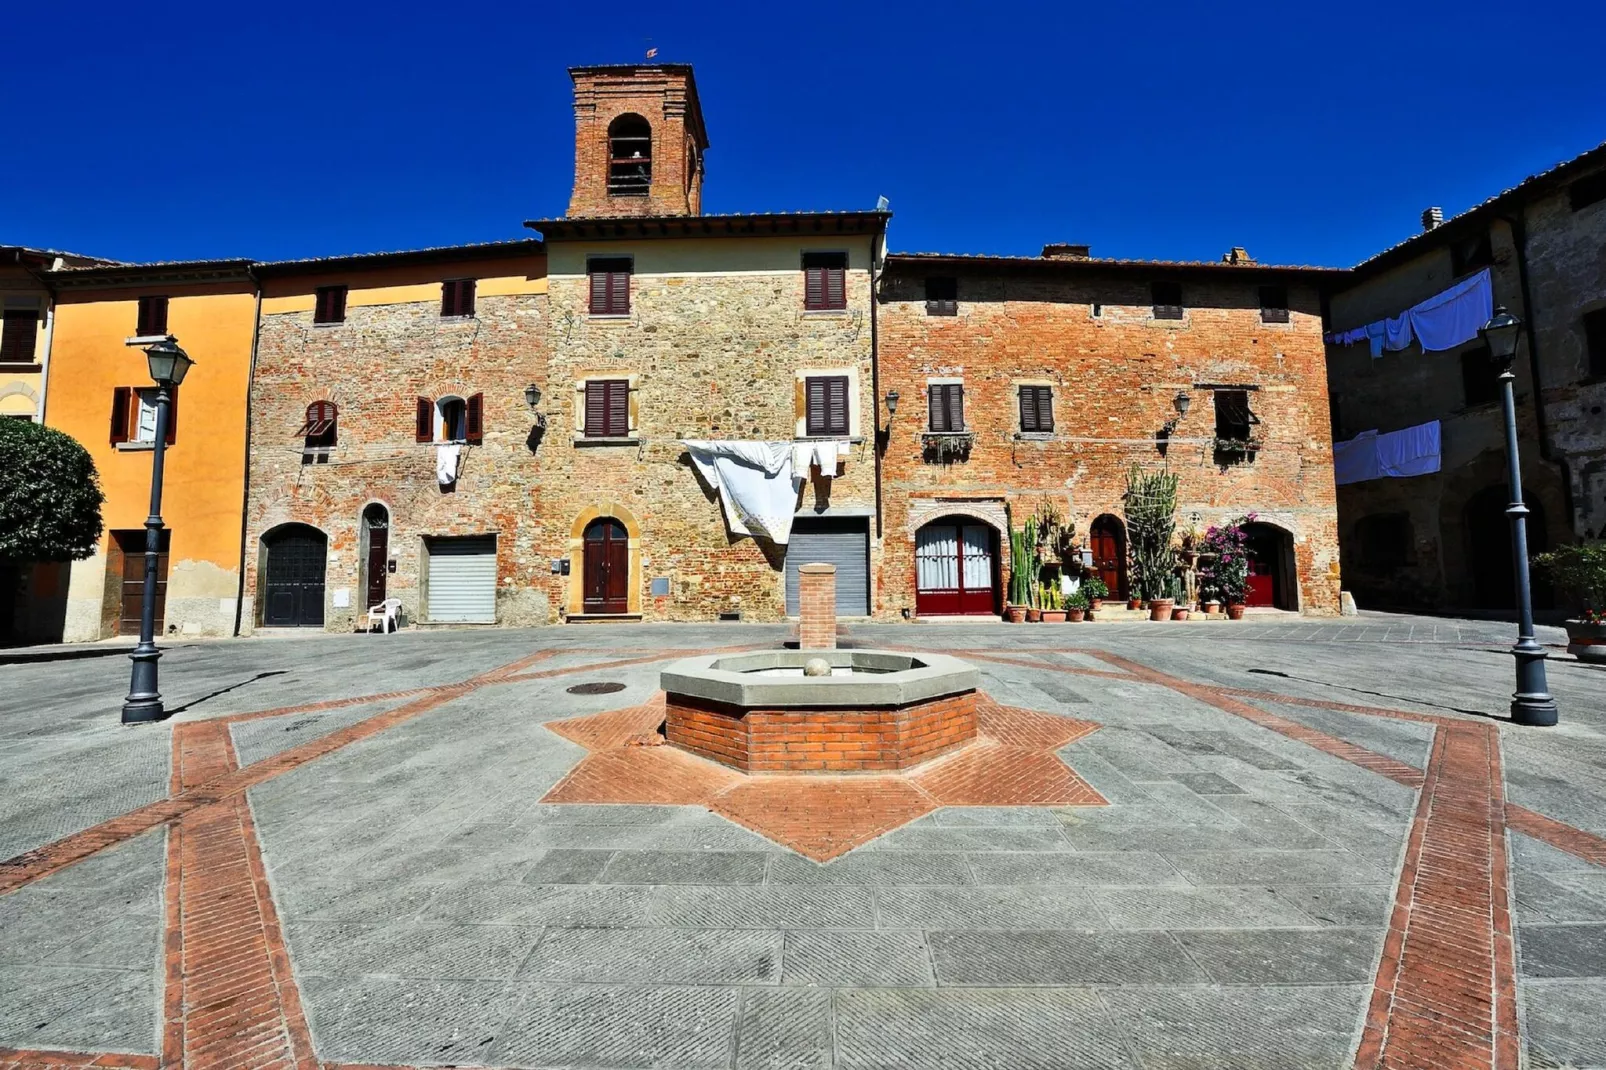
x=144 y=702
x=1536 y=710
x=1531 y=703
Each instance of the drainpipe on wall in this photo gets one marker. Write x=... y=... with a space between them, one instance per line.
x=50 y=334
x=876 y=252
x=1519 y=241
x=245 y=494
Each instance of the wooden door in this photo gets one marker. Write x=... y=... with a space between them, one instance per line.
x=378 y=523
x=131 y=545
x=955 y=570
x=1107 y=539
x=606 y=568
x=293 y=585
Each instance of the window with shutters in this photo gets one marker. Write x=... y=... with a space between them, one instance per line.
x=330 y=305
x=133 y=422
x=1036 y=409
x=1595 y=344
x=457 y=297
x=942 y=296
x=317 y=432
x=609 y=277
x=825 y=282
x=18 y=336
x=945 y=404
x=1480 y=385
x=825 y=400
x=1167 y=298
x=1274 y=304
x=453 y=421
x=607 y=408
x=629 y=157
x=152 y=316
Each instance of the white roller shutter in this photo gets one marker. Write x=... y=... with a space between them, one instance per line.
x=840 y=541
x=462 y=580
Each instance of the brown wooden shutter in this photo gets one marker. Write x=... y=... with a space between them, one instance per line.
x=474 y=420
x=814 y=407
x=837 y=405
x=21 y=331
x=172 y=416
x=936 y=408
x=599 y=293
x=814 y=288
x=947 y=407
x=152 y=316
x=465 y=297
x=424 y=429
x=596 y=409
x=619 y=293
x=836 y=294
x=1036 y=408
x=122 y=402
x=618 y=408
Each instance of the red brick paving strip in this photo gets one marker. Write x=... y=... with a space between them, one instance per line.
x=1577 y=842
x=28 y=1059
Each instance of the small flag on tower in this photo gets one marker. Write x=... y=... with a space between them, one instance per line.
x=651 y=52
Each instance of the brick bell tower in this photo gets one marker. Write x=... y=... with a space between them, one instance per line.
x=638 y=141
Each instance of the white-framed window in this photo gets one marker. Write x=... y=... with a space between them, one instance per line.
x=144 y=415
x=451 y=419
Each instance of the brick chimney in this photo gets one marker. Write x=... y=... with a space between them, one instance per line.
x=1238 y=255
x=1432 y=217
x=638 y=141
x=1062 y=251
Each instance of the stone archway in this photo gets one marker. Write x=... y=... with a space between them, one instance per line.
x=1273 y=574
x=290 y=580
x=575 y=595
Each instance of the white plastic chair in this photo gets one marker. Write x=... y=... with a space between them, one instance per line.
x=384 y=615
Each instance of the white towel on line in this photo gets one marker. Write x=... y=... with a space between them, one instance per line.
x=447 y=455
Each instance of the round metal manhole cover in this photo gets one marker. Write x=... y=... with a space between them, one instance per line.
x=599 y=687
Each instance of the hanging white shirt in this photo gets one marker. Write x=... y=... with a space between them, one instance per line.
x=447 y=455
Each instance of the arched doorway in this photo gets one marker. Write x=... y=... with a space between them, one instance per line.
x=1489 y=557
x=376 y=558
x=292 y=577
x=606 y=568
x=1107 y=540
x=956 y=568
x=1273 y=582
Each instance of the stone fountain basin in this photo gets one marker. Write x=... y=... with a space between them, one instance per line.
x=873 y=679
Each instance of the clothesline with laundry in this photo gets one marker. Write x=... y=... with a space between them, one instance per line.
x=1444 y=321
x=1410 y=451
x=757 y=482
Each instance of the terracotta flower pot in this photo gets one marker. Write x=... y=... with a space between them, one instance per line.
x=1160 y=608
x=1033 y=616
x=1134 y=603
x=1015 y=614
x=1587 y=641
x=1211 y=607
x=1235 y=611
x=1180 y=613
x=1095 y=604
x=1075 y=615
x=1054 y=616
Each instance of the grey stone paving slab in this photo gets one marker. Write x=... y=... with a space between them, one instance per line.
x=1207 y=784
x=545 y=904
x=1285 y=956
x=411 y=949
x=1270 y=826
x=75 y=1007
x=1341 y=904
x=657 y=956
x=995 y=817
x=1059 y=692
x=1406 y=741
x=857 y=958
x=1269 y=866
x=768 y=907
x=351 y=899
x=971 y=839
x=1249 y=1028
x=1562 y=1023
x=1559 y=897
x=784 y=1029
x=1183 y=908
x=975 y=1029
x=1162 y=838
x=1074 y=868
x=987 y=908
x=405 y=1021
x=1060 y=958
x=1530 y=855
x=563 y=866
x=1562 y=950
x=596 y=1026
x=686 y=867
x=728 y=837
x=75 y=775
x=1106 y=779
x=872 y=868
x=264 y=738
x=445 y=865
x=1138 y=755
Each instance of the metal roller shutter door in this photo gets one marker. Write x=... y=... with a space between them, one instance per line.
x=462 y=580
x=840 y=541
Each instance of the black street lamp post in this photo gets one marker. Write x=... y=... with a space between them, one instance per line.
x=168 y=365
x=1531 y=704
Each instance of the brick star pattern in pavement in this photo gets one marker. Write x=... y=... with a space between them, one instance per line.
x=1011 y=763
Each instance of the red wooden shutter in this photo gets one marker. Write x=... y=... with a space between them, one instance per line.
x=475 y=420
x=424 y=430
x=596 y=409
x=172 y=416
x=122 y=401
x=618 y=408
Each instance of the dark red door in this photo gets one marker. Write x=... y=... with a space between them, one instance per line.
x=1107 y=540
x=955 y=570
x=378 y=521
x=606 y=567
x=1265 y=558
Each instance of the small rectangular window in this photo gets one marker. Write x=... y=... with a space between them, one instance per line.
x=946 y=402
x=825 y=281
x=18 y=338
x=134 y=415
x=1036 y=408
x=1479 y=384
x=1167 y=297
x=1595 y=344
x=942 y=296
x=1096 y=310
x=330 y=306
x=1587 y=191
x=1468 y=256
x=457 y=297
x=607 y=408
x=1233 y=418
x=152 y=316
x=1274 y=304
x=825 y=405
x=609 y=278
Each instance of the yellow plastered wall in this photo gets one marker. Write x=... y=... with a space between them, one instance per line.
x=392 y=286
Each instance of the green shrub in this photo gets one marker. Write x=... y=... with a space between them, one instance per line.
x=50 y=495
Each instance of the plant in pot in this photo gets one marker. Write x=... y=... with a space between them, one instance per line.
x=1076 y=604
x=1053 y=603
x=1095 y=591
x=1580 y=571
x=1151 y=523
x=1224 y=574
x=1034 y=569
x=1019 y=588
x=1179 y=608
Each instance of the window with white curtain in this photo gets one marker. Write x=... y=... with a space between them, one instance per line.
x=978 y=557
x=937 y=558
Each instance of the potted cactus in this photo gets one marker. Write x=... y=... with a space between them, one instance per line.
x=1020 y=567
x=1151 y=522
x=1054 y=608
x=1179 y=608
x=1580 y=571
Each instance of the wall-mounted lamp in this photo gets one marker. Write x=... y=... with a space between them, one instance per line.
x=532 y=396
x=1182 y=403
x=892 y=404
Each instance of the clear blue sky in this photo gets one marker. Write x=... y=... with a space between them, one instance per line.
x=1310 y=133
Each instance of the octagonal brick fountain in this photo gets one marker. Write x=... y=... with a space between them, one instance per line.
x=818 y=709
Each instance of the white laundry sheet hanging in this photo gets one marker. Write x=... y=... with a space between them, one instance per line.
x=446 y=458
x=755 y=482
x=826 y=453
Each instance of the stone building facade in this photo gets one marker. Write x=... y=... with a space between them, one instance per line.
x=1442 y=540
x=364 y=377
x=1098 y=351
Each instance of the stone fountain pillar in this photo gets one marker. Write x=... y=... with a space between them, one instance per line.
x=816 y=607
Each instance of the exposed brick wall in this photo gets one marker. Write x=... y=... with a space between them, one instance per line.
x=816 y=604
x=821 y=740
x=1114 y=377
